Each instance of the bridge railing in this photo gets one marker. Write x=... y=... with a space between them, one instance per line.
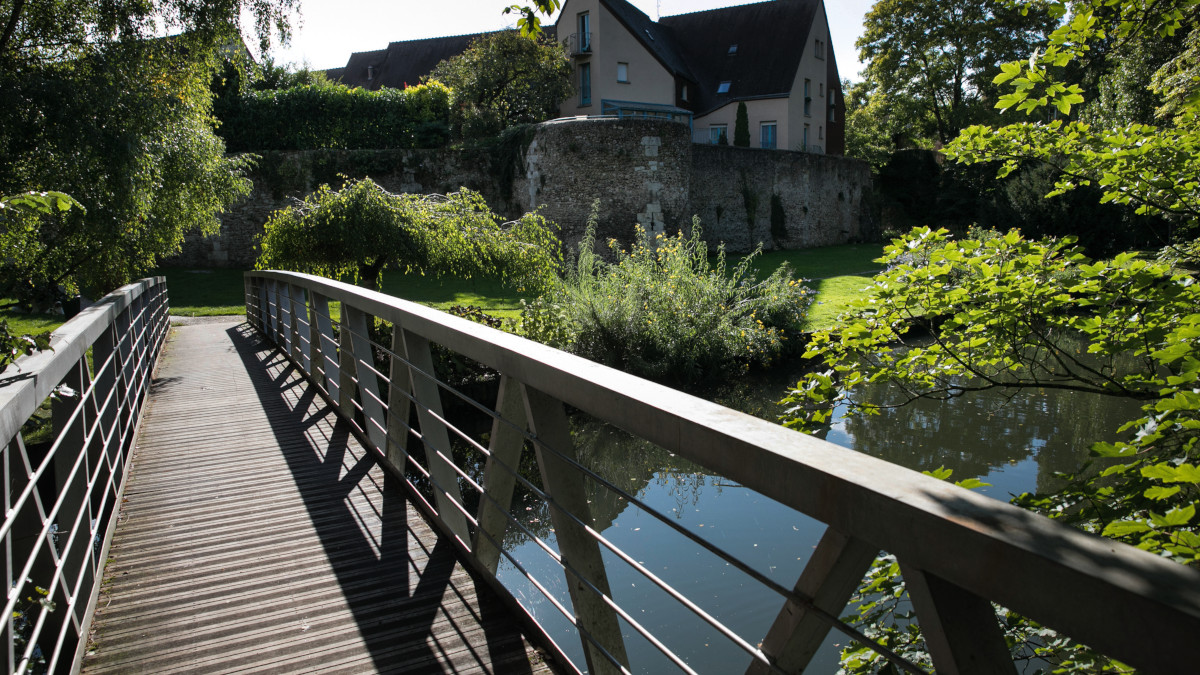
x=959 y=552
x=80 y=405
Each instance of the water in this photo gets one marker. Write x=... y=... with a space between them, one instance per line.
x=1016 y=444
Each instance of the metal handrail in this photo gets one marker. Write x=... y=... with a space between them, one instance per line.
x=96 y=376
x=959 y=551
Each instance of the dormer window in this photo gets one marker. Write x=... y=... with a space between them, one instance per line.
x=723 y=88
x=732 y=49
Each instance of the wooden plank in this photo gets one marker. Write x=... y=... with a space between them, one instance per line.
x=257 y=535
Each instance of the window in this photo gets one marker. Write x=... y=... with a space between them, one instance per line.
x=585 y=33
x=370 y=73
x=716 y=132
x=732 y=49
x=819 y=50
x=832 y=111
x=821 y=88
x=622 y=72
x=804 y=140
x=767 y=135
x=820 y=132
x=723 y=88
x=683 y=92
x=585 y=84
x=807 y=99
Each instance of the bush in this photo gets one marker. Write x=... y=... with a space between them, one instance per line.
x=662 y=311
x=320 y=116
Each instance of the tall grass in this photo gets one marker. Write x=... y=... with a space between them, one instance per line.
x=664 y=311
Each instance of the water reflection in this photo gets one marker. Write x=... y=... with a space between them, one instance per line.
x=1017 y=443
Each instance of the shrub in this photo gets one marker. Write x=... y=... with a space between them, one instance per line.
x=662 y=311
x=320 y=116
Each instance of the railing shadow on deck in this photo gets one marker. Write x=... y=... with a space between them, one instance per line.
x=959 y=552
x=376 y=570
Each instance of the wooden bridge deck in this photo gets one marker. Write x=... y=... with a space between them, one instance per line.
x=257 y=535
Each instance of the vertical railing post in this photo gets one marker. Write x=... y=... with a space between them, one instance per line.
x=499 y=473
x=283 y=297
x=355 y=327
x=248 y=296
x=264 y=318
x=399 y=405
x=276 y=314
x=831 y=576
x=325 y=351
x=302 y=337
x=961 y=630
x=434 y=434
x=580 y=551
x=73 y=417
x=346 y=370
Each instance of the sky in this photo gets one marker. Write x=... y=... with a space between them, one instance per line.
x=330 y=30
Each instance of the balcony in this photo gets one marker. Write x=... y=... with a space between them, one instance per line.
x=580 y=44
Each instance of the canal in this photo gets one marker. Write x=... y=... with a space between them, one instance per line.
x=1014 y=442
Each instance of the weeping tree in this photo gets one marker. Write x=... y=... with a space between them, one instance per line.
x=361 y=230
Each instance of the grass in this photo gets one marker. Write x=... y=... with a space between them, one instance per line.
x=214 y=292
x=824 y=262
x=29 y=324
x=837 y=273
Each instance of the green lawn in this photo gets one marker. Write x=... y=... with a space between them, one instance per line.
x=822 y=263
x=837 y=273
x=212 y=292
x=28 y=324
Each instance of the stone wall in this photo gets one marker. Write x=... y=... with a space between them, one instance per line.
x=640 y=170
x=283 y=177
x=780 y=198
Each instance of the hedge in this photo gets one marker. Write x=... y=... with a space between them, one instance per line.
x=324 y=116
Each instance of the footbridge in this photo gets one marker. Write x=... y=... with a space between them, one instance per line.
x=311 y=489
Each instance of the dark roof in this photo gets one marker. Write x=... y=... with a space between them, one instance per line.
x=770 y=39
x=660 y=42
x=404 y=63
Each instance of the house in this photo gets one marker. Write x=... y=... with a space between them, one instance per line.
x=696 y=68
x=773 y=56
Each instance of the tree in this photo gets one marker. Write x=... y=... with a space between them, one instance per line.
x=99 y=106
x=1007 y=312
x=361 y=230
x=741 y=127
x=944 y=54
x=878 y=124
x=504 y=79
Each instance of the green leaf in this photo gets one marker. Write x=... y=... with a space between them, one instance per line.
x=940 y=473
x=1160 y=493
x=1175 y=517
x=1123 y=528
